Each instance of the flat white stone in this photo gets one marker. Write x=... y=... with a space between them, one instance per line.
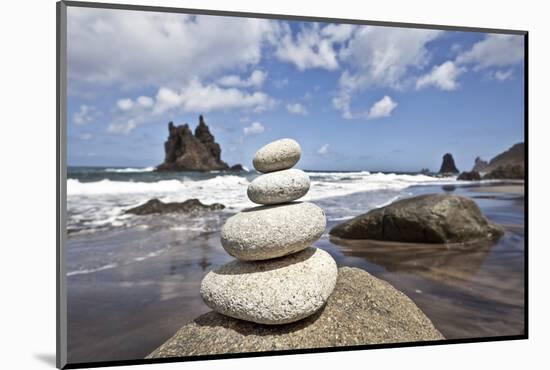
x=265 y=232
x=277 y=155
x=276 y=291
x=279 y=187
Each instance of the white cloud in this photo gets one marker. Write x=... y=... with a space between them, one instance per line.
x=145 y=101
x=443 y=76
x=323 y=150
x=256 y=79
x=494 y=51
x=313 y=46
x=86 y=136
x=196 y=97
x=381 y=57
x=382 y=108
x=297 y=108
x=123 y=127
x=134 y=48
x=254 y=129
x=503 y=75
x=85 y=115
x=125 y=104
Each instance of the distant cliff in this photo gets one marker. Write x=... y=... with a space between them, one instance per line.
x=507 y=165
x=187 y=152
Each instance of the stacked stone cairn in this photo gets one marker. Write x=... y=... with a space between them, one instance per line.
x=277 y=277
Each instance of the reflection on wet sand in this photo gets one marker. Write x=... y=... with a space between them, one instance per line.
x=438 y=262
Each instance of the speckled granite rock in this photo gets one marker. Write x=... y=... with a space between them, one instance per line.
x=279 y=187
x=276 y=291
x=277 y=155
x=361 y=310
x=265 y=232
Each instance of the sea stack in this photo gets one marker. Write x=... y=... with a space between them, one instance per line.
x=277 y=277
x=448 y=165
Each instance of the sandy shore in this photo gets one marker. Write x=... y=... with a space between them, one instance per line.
x=500 y=188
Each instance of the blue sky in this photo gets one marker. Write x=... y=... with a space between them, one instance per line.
x=355 y=97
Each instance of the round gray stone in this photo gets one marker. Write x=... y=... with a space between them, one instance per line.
x=266 y=232
x=278 y=291
x=279 y=187
x=277 y=155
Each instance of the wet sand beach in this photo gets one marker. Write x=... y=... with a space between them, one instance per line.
x=128 y=308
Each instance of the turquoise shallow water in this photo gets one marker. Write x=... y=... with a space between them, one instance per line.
x=132 y=285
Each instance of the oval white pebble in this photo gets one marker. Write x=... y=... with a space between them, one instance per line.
x=277 y=291
x=279 y=187
x=277 y=155
x=265 y=232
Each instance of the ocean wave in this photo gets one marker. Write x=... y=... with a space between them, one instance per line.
x=130 y=170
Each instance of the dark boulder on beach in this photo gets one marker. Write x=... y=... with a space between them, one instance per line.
x=469 y=176
x=431 y=218
x=361 y=310
x=156 y=206
x=512 y=172
x=187 y=152
x=448 y=164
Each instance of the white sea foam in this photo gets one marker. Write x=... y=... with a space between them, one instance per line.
x=102 y=203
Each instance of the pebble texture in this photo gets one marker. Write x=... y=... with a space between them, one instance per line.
x=361 y=310
x=272 y=231
x=276 y=291
x=277 y=155
x=279 y=187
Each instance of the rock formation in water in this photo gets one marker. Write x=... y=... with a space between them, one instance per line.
x=187 y=152
x=431 y=218
x=448 y=164
x=469 y=176
x=480 y=165
x=156 y=206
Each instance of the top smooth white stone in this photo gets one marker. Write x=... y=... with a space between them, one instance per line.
x=277 y=155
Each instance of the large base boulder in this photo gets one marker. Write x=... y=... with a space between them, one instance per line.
x=361 y=310
x=431 y=218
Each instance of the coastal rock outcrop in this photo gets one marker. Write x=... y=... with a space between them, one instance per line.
x=154 y=206
x=507 y=165
x=185 y=151
x=509 y=171
x=431 y=218
x=279 y=277
x=469 y=176
x=479 y=165
x=361 y=310
x=448 y=165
